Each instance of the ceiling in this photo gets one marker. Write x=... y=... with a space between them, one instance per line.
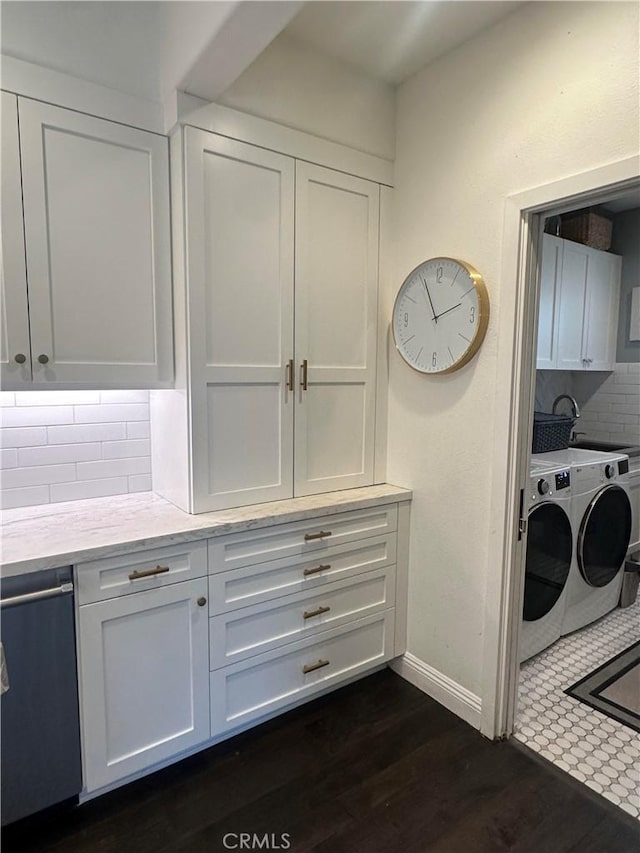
x=393 y=40
x=127 y=45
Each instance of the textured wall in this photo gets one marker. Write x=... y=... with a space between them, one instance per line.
x=626 y=242
x=70 y=445
x=548 y=92
x=297 y=86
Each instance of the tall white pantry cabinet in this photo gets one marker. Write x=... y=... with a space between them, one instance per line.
x=276 y=268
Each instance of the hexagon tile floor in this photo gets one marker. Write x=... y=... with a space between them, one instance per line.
x=599 y=751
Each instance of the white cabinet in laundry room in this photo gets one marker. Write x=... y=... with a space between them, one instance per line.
x=97 y=280
x=578 y=313
x=279 y=279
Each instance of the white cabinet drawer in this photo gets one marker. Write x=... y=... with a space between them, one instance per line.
x=253 y=584
x=250 y=689
x=300 y=538
x=110 y=577
x=253 y=630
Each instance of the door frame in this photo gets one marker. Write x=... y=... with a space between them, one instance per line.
x=524 y=215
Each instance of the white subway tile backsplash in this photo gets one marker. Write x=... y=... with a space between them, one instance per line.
x=113 y=468
x=56 y=398
x=124 y=396
x=86 y=432
x=16 y=478
x=126 y=449
x=23 y=416
x=138 y=429
x=56 y=453
x=106 y=413
x=12 y=498
x=72 y=445
x=89 y=489
x=25 y=437
x=140 y=483
x=8 y=458
x=611 y=409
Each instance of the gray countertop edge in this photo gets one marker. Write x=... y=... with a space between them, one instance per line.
x=17 y=527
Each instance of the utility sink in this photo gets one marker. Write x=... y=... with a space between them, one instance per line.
x=605 y=446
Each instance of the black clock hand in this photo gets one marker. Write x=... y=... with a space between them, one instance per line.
x=433 y=310
x=449 y=309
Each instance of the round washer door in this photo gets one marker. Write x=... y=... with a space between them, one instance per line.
x=549 y=550
x=605 y=533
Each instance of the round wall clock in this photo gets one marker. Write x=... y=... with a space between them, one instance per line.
x=440 y=315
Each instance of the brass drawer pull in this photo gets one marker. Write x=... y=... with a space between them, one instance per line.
x=309 y=614
x=159 y=570
x=310 y=667
x=304 y=372
x=289 y=375
x=308 y=537
x=317 y=569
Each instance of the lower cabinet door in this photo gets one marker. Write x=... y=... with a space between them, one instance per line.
x=144 y=679
x=250 y=689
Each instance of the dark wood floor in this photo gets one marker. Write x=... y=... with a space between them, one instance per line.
x=376 y=766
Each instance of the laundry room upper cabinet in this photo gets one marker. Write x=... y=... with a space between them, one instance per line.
x=95 y=208
x=579 y=299
x=279 y=282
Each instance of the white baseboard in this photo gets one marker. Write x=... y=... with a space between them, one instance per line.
x=443 y=689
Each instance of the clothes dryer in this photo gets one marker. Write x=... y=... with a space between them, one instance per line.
x=602 y=521
x=549 y=556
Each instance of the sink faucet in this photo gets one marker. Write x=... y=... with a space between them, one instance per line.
x=574 y=405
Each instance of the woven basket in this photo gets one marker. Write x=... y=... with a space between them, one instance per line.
x=591 y=229
x=551 y=432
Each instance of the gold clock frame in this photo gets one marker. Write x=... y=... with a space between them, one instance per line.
x=484 y=311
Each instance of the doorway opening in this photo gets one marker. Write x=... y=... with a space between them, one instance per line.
x=532 y=218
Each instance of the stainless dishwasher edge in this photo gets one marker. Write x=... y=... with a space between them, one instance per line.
x=40 y=729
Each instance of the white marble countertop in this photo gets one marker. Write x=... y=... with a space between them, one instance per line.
x=54 y=535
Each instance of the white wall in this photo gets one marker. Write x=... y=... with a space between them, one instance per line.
x=550 y=91
x=71 y=445
x=297 y=86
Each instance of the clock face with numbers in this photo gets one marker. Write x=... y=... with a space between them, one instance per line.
x=440 y=315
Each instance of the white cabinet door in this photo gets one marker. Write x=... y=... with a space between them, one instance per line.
x=144 y=679
x=14 y=314
x=96 y=215
x=240 y=231
x=337 y=224
x=550 y=280
x=601 y=314
x=571 y=308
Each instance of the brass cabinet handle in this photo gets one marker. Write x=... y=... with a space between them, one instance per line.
x=202 y=601
x=289 y=375
x=310 y=667
x=304 y=370
x=20 y=358
x=43 y=359
x=159 y=570
x=308 y=537
x=315 y=571
x=309 y=614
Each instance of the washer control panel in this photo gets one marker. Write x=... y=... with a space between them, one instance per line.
x=563 y=480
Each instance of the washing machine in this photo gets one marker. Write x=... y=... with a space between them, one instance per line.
x=549 y=556
x=602 y=520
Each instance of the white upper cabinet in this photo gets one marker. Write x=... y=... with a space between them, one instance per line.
x=279 y=282
x=579 y=298
x=97 y=236
x=337 y=219
x=240 y=229
x=15 y=349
